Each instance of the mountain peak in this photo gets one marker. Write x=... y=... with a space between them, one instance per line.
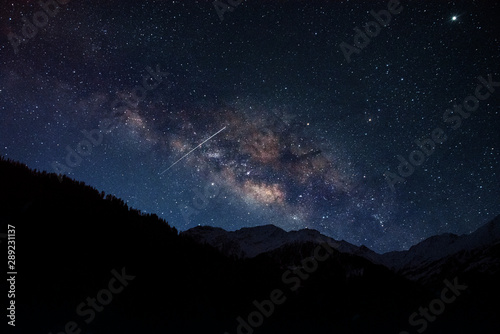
x=251 y=241
x=442 y=245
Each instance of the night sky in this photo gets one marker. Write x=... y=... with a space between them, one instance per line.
x=307 y=115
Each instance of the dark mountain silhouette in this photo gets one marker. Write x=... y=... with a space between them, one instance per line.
x=250 y=242
x=421 y=262
x=69 y=238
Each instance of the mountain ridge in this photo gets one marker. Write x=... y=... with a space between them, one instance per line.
x=71 y=236
x=249 y=242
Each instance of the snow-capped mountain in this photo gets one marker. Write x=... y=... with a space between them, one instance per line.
x=440 y=246
x=252 y=241
x=420 y=260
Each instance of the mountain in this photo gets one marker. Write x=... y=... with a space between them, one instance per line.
x=251 y=242
x=440 y=246
x=476 y=252
x=87 y=263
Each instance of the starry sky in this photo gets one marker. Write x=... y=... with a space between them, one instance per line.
x=294 y=113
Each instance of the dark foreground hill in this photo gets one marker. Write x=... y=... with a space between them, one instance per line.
x=86 y=263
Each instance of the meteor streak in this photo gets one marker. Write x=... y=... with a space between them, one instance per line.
x=185 y=155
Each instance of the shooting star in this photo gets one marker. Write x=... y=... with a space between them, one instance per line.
x=185 y=155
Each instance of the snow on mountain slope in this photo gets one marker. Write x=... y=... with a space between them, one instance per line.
x=251 y=241
x=439 y=246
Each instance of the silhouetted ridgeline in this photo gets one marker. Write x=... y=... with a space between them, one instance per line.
x=69 y=238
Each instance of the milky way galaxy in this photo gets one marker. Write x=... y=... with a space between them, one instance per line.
x=259 y=118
